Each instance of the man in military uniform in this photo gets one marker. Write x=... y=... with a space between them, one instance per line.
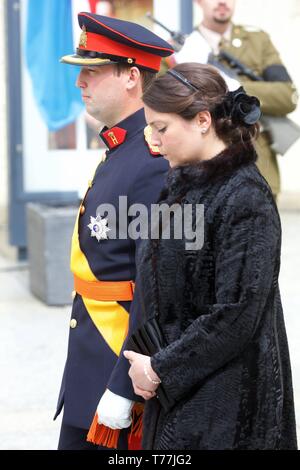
x=117 y=58
x=253 y=48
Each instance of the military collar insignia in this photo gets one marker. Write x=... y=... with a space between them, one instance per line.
x=113 y=137
x=98 y=227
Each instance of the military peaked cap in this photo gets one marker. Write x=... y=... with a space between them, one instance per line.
x=106 y=40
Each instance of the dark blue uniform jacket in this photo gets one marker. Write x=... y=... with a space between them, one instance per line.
x=96 y=339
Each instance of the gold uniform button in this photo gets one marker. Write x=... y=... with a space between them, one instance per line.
x=82 y=210
x=90 y=183
x=73 y=323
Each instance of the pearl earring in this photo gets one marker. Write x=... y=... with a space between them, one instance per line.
x=204 y=130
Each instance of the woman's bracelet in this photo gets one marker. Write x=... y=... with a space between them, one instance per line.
x=156 y=382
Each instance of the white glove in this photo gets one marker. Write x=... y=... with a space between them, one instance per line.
x=114 y=411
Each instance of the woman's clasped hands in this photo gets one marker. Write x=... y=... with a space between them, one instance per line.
x=145 y=381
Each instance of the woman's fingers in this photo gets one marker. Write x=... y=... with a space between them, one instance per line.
x=147 y=395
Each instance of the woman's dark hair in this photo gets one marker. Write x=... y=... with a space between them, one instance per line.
x=208 y=91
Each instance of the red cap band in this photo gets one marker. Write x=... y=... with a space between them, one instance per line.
x=102 y=44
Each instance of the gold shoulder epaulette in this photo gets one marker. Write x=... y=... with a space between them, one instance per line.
x=154 y=150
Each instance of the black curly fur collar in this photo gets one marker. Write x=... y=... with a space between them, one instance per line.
x=222 y=165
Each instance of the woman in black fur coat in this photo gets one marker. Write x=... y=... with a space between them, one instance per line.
x=226 y=367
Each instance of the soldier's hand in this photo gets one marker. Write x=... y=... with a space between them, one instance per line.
x=114 y=411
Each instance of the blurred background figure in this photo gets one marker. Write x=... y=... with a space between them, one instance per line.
x=106 y=8
x=248 y=54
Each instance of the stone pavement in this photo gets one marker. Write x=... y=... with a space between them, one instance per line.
x=33 y=344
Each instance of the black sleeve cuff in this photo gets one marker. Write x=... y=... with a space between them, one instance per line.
x=276 y=73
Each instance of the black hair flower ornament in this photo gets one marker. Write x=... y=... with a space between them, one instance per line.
x=244 y=108
x=240 y=107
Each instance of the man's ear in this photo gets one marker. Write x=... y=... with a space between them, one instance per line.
x=134 y=75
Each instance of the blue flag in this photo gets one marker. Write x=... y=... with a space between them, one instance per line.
x=49 y=36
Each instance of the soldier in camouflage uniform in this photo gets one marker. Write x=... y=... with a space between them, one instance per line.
x=253 y=47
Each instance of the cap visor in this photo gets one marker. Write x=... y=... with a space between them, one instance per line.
x=78 y=60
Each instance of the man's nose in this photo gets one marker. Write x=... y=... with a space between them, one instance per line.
x=80 y=82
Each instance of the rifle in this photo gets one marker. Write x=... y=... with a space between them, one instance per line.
x=178 y=38
x=283 y=131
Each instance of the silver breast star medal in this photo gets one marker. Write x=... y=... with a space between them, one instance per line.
x=98 y=227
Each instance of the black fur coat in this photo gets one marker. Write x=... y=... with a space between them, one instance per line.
x=227 y=363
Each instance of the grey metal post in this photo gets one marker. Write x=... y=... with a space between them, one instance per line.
x=186 y=16
x=13 y=54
